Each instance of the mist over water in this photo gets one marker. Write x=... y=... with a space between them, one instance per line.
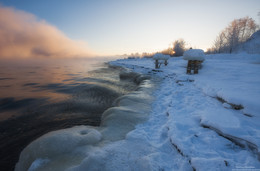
x=39 y=96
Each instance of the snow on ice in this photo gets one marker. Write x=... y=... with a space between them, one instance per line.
x=175 y=121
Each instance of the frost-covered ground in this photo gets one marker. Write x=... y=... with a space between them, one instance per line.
x=212 y=119
x=209 y=121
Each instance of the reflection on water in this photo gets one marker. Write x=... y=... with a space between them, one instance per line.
x=16 y=76
x=33 y=82
x=38 y=96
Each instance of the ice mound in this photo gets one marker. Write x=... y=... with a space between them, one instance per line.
x=118 y=121
x=126 y=75
x=194 y=54
x=38 y=163
x=55 y=144
x=83 y=147
x=133 y=76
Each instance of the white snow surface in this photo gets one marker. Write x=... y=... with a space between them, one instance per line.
x=194 y=54
x=177 y=122
x=160 y=56
x=252 y=45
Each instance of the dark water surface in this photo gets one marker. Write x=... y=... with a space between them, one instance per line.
x=39 y=96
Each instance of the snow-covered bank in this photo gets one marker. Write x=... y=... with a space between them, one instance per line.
x=213 y=118
x=209 y=121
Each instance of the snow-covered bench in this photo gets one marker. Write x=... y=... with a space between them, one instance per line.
x=160 y=59
x=195 y=57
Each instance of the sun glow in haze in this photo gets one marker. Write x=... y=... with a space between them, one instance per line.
x=24 y=36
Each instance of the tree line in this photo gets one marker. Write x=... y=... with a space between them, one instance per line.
x=236 y=33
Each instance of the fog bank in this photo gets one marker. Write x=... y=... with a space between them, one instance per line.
x=23 y=35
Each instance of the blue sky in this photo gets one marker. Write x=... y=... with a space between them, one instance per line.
x=125 y=26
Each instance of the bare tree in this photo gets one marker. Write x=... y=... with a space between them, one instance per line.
x=238 y=31
x=179 y=47
x=219 y=43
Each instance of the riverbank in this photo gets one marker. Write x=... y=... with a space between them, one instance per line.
x=37 y=97
x=211 y=119
x=73 y=148
x=172 y=121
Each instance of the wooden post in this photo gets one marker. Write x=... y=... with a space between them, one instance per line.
x=193 y=65
x=157 y=64
x=196 y=67
x=189 y=67
x=166 y=62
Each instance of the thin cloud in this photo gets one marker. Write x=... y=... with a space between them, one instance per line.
x=22 y=35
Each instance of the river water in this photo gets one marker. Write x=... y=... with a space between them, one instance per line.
x=39 y=96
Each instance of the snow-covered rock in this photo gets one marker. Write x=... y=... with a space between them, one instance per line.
x=194 y=54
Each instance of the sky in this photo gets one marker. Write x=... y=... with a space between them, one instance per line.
x=111 y=27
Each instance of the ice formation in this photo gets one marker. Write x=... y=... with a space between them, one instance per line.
x=67 y=148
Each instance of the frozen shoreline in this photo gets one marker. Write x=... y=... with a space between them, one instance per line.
x=186 y=126
x=203 y=124
x=73 y=148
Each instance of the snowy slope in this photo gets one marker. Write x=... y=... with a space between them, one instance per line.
x=208 y=121
x=252 y=45
x=203 y=124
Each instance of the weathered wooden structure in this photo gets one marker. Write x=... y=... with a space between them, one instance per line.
x=195 y=58
x=194 y=65
x=160 y=59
